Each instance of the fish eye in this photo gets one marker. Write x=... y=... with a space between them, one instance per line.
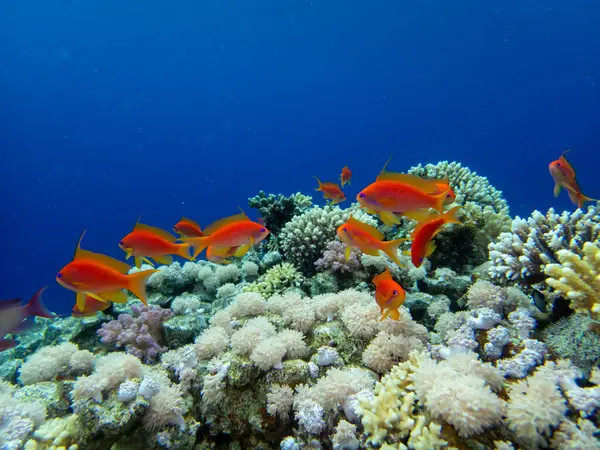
x=263 y=229
x=59 y=275
x=420 y=259
x=345 y=229
x=361 y=195
x=395 y=292
x=557 y=164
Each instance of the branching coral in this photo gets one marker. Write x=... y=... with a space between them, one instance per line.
x=276 y=280
x=522 y=254
x=277 y=210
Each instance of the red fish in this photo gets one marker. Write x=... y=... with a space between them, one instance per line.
x=345 y=176
x=389 y=295
x=369 y=240
x=187 y=228
x=101 y=277
x=13 y=315
x=398 y=193
x=221 y=255
x=150 y=242
x=422 y=245
x=331 y=191
x=92 y=306
x=233 y=231
x=564 y=177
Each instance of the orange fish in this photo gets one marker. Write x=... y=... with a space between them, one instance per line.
x=233 y=231
x=389 y=295
x=564 y=177
x=345 y=176
x=13 y=316
x=398 y=193
x=331 y=191
x=369 y=240
x=221 y=255
x=150 y=242
x=422 y=245
x=92 y=306
x=187 y=228
x=101 y=277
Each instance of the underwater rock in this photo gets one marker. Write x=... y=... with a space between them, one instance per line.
x=445 y=282
x=323 y=283
x=295 y=371
x=51 y=394
x=80 y=331
x=334 y=334
x=181 y=330
x=241 y=371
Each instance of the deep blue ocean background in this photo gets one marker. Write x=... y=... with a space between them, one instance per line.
x=112 y=108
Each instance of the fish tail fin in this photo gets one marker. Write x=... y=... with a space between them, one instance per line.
x=320 y=184
x=390 y=248
x=198 y=244
x=35 y=307
x=183 y=250
x=136 y=283
x=451 y=216
x=582 y=199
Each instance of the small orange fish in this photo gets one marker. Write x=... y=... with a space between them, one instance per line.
x=564 y=177
x=422 y=245
x=368 y=239
x=150 y=242
x=331 y=191
x=101 y=277
x=395 y=193
x=92 y=306
x=187 y=228
x=345 y=176
x=389 y=295
x=233 y=231
x=221 y=255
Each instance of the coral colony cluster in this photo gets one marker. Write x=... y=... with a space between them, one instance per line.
x=496 y=345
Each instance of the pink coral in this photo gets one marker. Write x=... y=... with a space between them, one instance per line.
x=139 y=334
x=334 y=259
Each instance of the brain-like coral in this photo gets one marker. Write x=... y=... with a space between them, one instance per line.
x=304 y=238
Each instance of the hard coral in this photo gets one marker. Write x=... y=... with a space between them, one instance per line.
x=277 y=210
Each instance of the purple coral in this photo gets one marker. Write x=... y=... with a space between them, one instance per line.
x=334 y=259
x=138 y=334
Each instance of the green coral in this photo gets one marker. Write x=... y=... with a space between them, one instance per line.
x=277 y=210
x=276 y=280
x=304 y=238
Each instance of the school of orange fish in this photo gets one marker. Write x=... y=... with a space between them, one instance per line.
x=98 y=280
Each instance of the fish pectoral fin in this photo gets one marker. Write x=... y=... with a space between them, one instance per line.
x=384 y=315
x=165 y=260
x=389 y=218
x=95 y=296
x=394 y=314
x=347 y=252
x=138 y=261
x=80 y=301
x=430 y=249
x=147 y=261
x=557 y=188
x=370 y=251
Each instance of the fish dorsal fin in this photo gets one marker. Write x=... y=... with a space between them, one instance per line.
x=426 y=185
x=365 y=227
x=193 y=222
x=115 y=264
x=386 y=275
x=566 y=161
x=241 y=217
x=79 y=244
x=385 y=165
x=155 y=230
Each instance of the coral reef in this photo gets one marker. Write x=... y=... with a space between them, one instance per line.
x=277 y=210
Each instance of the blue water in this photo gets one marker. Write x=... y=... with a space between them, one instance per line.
x=112 y=108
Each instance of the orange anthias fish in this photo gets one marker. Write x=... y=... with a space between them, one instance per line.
x=345 y=176
x=12 y=316
x=187 y=228
x=150 y=242
x=92 y=306
x=564 y=177
x=331 y=191
x=101 y=277
x=422 y=245
x=389 y=295
x=369 y=240
x=394 y=193
x=233 y=231
x=221 y=255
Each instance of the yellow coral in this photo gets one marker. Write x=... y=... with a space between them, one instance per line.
x=577 y=278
